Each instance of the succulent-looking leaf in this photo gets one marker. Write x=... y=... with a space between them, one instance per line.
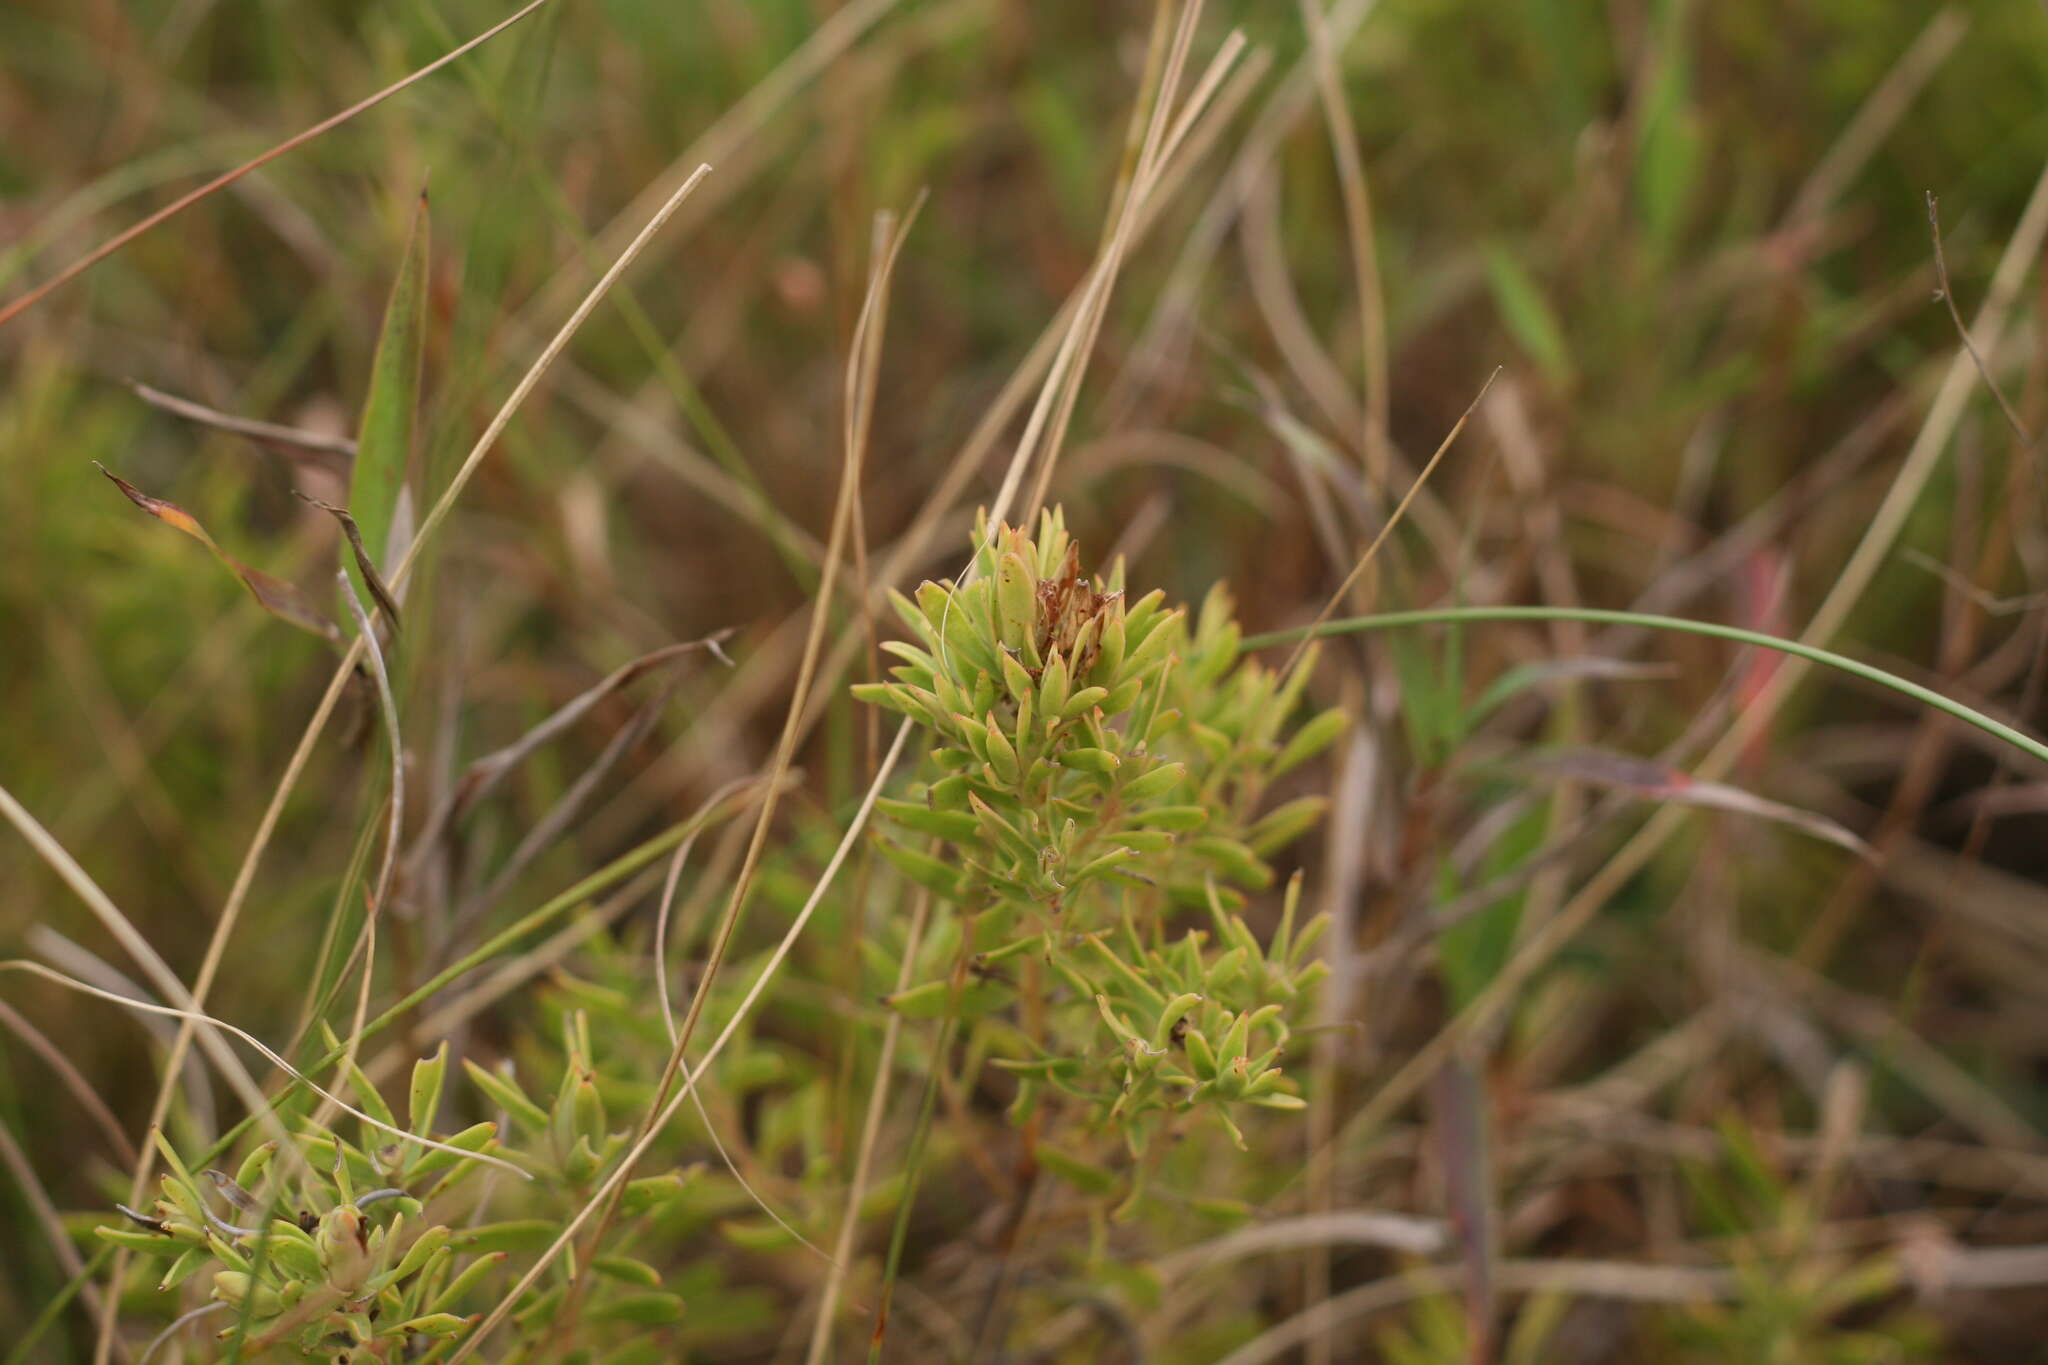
x=651 y=1308
x=523 y=1234
x=432 y=1325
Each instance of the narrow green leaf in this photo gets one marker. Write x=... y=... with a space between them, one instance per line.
x=951 y=825
x=1528 y=315
x=1174 y=817
x=148 y=1243
x=424 y=1095
x=1084 y=1176
x=520 y=1234
x=508 y=1095
x=937 y=999
x=1284 y=824
x=432 y=1325
x=384 y=434
x=627 y=1269
x=649 y=1309
x=923 y=869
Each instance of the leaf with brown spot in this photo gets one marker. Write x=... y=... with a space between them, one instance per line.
x=278 y=597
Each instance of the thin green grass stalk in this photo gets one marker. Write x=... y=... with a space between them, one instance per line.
x=329 y=969
x=58 y=1302
x=605 y=1200
x=913 y=1168
x=1926 y=696
x=387 y=703
x=878 y=1096
x=259 y=844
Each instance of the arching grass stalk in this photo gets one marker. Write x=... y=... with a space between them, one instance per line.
x=1450 y=616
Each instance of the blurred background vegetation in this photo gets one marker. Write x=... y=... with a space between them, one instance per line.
x=1693 y=234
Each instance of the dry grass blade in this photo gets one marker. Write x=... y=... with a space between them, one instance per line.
x=373 y=580
x=279 y=598
x=1346 y=1227
x=1358 y=220
x=183 y=1320
x=661 y=923
x=1045 y=431
x=724 y=140
x=565 y=809
x=444 y=504
x=1989 y=603
x=1045 y=428
x=270 y=433
x=1946 y=294
x=230 y=915
x=515 y=969
x=667 y=1094
x=74 y=1083
x=1662 y=782
x=483 y=775
x=1900 y=499
x=1878 y=116
x=124 y=933
x=776 y=657
x=92 y=258
x=1393 y=520
x=870 y=1134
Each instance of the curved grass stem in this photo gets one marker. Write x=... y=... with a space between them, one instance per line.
x=1445 y=616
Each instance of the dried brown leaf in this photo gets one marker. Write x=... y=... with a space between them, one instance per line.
x=386 y=603
x=279 y=598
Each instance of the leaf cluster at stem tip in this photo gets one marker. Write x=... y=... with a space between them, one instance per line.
x=1099 y=772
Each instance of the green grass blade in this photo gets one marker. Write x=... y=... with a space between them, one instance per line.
x=384 y=437
x=1926 y=696
x=1528 y=315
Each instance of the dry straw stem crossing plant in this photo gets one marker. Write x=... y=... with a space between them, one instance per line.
x=676 y=1077
x=323 y=712
x=1064 y=371
x=796 y=648
x=763 y=672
